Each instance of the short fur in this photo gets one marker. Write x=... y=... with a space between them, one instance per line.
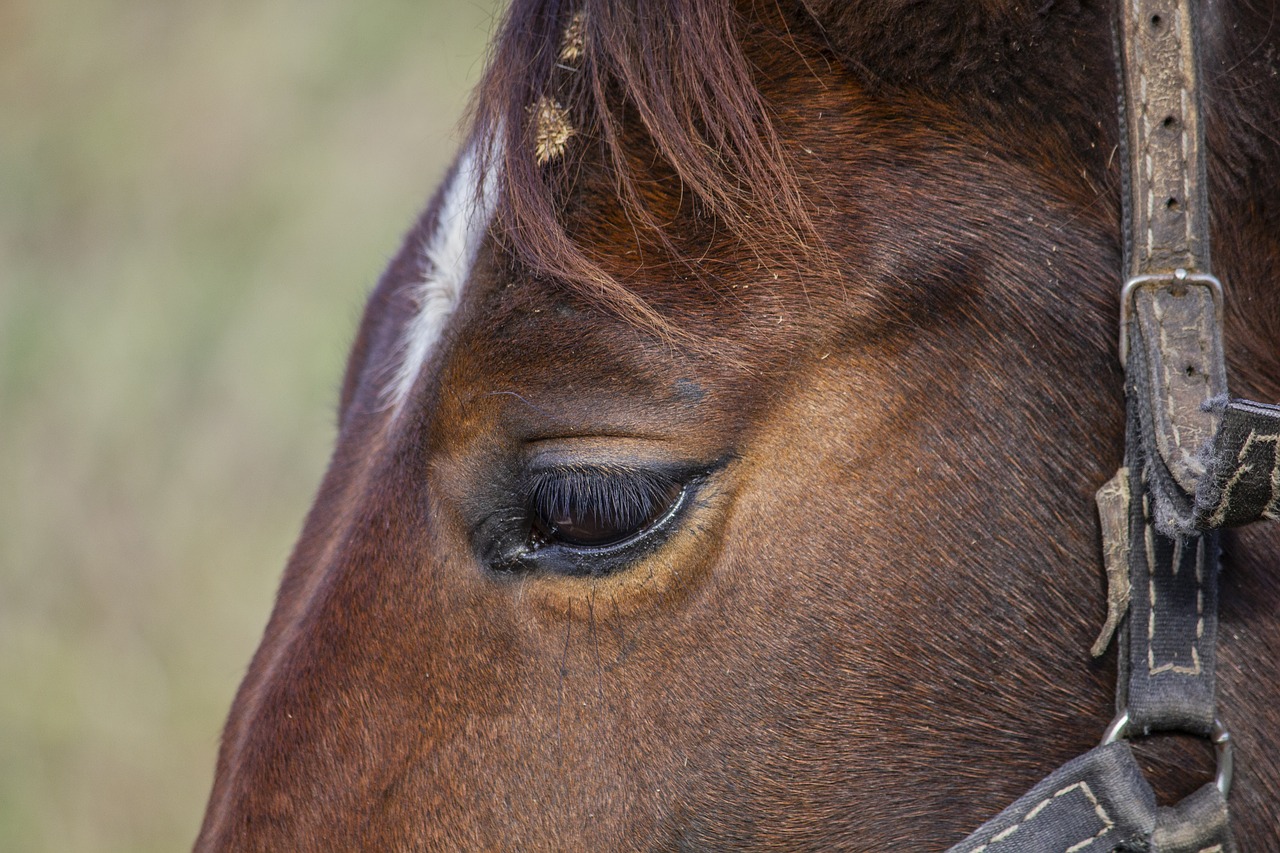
x=864 y=258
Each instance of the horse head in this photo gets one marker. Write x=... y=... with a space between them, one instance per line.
x=715 y=461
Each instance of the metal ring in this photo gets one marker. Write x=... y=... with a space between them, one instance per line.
x=1117 y=729
x=1218 y=736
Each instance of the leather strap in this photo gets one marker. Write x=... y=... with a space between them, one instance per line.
x=1171 y=305
x=1181 y=472
x=1200 y=473
x=1176 y=366
x=1168 y=222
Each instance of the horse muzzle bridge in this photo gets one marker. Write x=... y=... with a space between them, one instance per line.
x=1195 y=462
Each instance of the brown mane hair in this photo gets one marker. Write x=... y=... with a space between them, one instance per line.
x=676 y=71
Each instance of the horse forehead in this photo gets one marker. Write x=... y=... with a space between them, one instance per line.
x=549 y=358
x=509 y=317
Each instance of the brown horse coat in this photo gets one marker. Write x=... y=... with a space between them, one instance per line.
x=824 y=299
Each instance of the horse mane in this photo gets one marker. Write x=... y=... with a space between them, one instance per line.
x=600 y=72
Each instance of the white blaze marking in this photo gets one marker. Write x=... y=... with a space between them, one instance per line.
x=448 y=255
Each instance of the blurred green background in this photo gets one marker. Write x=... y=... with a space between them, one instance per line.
x=194 y=200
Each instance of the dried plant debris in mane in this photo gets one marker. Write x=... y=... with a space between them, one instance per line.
x=551 y=130
x=573 y=45
x=589 y=88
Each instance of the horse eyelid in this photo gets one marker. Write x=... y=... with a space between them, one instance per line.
x=601 y=502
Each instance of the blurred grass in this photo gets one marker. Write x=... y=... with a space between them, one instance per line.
x=194 y=199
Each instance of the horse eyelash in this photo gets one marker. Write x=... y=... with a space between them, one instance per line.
x=623 y=497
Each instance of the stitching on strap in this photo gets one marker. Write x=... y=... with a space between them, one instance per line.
x=1145 y=156
x=1038 y=809
x=1244 y=468
x=1170 y=375
x=1185 y=97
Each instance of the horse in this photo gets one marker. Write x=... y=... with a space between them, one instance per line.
x=715 y=461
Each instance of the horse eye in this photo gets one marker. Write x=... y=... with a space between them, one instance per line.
x=598 y=507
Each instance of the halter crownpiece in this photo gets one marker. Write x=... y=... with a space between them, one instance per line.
x=1195 y=462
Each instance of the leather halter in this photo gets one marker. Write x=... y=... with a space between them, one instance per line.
x=1195 y=462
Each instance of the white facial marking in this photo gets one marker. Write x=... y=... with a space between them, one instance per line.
x=448 y=255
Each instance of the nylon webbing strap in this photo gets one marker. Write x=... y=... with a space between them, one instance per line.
x=1095 y=803
x=1242 y=483
x=1167 y=662
x=1099 y=803
x=1198 y=824
x=1175 y=391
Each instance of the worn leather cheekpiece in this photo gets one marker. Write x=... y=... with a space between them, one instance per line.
x=1194 y=462
x=1171 y=304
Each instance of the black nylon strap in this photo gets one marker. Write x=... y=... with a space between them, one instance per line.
x=1167 y=667
x=1096 y=803
x=1099 y=803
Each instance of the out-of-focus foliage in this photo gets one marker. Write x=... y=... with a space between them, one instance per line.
x=194 y=199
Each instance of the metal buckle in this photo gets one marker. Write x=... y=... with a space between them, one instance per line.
x=1178 y=276
x=1219 y=737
